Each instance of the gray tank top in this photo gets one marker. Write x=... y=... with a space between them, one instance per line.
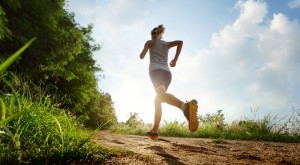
x=159 y=56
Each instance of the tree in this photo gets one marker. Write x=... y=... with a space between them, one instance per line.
x=60 y=60
x=101 y=113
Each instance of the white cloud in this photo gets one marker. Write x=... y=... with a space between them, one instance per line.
x=251 y=63
x=294 y=4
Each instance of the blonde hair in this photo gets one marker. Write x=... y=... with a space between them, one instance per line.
x=157 y=31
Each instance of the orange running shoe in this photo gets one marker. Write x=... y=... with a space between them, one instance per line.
x=190 y=110
x=153 y=135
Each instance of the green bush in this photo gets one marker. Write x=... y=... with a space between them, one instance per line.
x=133 y=125
x=174 y=129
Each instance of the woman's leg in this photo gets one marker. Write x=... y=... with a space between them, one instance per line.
x=168 y=98
x=157 y=115
x=163 y=96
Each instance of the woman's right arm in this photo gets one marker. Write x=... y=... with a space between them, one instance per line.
x=145 y=50
x=178 y=44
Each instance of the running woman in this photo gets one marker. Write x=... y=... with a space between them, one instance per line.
x=161 y=76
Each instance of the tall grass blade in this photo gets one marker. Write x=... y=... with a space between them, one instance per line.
x=15 y=93
x=3 y=109
x=12 y=58
x=60 y=129
x=6 y=130
x=92 y=134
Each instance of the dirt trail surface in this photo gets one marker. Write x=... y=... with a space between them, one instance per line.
x=190 y=151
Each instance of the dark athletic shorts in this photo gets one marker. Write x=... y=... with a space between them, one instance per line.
x=160 y=77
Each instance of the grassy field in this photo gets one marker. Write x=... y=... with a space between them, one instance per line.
x=214 y=126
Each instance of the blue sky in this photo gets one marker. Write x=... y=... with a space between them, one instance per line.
x=237 y=56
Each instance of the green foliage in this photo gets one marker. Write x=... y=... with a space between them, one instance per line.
x=101 y=112
x=174 y=129
x=4 y=31
x=134 y=120
x=34 y=130
x=134 y=125
x=213 y=121
x=61 y=59
x=13 y=4
x=214 y=126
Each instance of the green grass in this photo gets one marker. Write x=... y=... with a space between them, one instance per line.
x=34 y=130
x=214 y=126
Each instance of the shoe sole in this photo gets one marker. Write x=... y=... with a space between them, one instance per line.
x=155 y=138
x=193 y=122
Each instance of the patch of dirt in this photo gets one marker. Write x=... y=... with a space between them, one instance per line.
x=179 y=151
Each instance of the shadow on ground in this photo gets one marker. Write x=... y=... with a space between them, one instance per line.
x=170 y=159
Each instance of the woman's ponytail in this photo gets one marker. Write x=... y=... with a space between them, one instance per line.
x=157 y=31
x=161 y=29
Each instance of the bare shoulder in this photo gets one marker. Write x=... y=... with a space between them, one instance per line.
x=149 y=43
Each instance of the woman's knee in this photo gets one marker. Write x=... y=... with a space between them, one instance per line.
x=160 y=97
x=160 y=94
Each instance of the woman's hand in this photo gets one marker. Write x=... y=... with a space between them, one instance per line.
x=173 y=62
x=179 y=44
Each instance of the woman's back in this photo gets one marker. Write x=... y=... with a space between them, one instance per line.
x=159 y=55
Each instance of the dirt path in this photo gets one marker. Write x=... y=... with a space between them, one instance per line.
x=173 y=151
